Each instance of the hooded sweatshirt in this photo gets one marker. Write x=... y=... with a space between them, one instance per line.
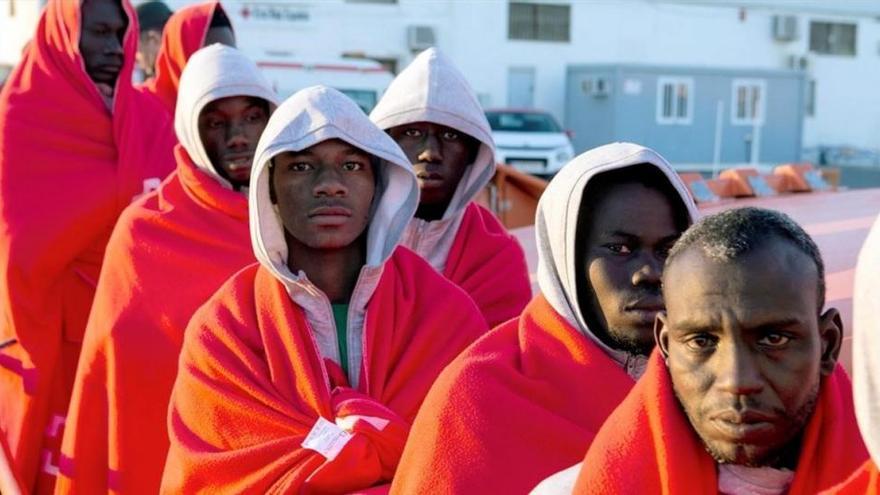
x=261 y=402
x=183 y=34
x=526 y=400
x=116 y=439
x=69 y=165
x=866 y=367
x=468 y=244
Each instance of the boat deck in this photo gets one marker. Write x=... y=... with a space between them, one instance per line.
x=838 y=221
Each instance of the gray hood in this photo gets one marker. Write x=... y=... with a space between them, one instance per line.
x=212 y=73
x=866 y=342
x=556 y=222
x=432 y=89
x=307 y=118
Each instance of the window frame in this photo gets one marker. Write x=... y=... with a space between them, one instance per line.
x=535 y=33
x=734 y=101
x=675 y=118
x=831 y=48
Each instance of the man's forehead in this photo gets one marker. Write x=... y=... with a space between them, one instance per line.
x=103 y=11
x=624 y=207
x=773 y=278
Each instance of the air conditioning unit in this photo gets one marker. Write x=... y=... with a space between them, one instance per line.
x=597 y=86
x=797 y=62
x=420 y=38
x=785 y=28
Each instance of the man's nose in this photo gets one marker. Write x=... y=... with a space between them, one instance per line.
x=431 y=152
x=328 y=182
x=648 y=270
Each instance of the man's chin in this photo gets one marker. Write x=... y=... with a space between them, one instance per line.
x=636 y=338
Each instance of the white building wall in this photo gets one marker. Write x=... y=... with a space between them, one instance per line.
x=17 y=29
x=702 y=33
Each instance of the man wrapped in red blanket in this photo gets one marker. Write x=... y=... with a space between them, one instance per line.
x=744 y=394
x=187 y=30
x=525 y=401
x=304 y=372
x=433 y=114
x=77 y=145
x=170 y=251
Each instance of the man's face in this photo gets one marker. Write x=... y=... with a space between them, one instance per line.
x=746 y=349
x=148 y=48
x=625 y=245
x=100 y=43
x=439 y=154
x=229 y=129
x=222 y=35
x=324 y=193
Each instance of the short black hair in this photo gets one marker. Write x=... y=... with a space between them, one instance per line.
x=733 y=233
x=153 y=15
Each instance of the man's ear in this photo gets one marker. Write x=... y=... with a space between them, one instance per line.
x=661 y=334
x=831 y=337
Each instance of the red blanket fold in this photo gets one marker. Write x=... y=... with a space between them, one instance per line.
x=67 y=169
x=660 y=445
x=168 y=254
x=183 y=35
x=865 y=481
x=252 y=385
x=490 y=265
x=519 y=405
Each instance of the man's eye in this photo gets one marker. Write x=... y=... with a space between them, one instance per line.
x=774 y=340
x=450 y=135
x=413 y=133
x=300 y=167
x=701 y=342
x=619 y=248
x=255 y=117
x=215 y=124
x=352 y=166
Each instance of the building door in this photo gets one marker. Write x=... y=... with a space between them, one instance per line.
x=521 y=87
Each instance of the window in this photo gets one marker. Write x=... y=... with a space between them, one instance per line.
x=811 y=98
x=833 y=38
x=539 y=21
x=748 y=102
x=675 y=97
x=522 y=122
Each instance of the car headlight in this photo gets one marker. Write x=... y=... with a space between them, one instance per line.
x=563 y=155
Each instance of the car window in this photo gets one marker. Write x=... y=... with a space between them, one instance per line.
x=366 y=99
x=522 y=122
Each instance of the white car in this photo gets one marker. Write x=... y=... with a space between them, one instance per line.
x=529 y=140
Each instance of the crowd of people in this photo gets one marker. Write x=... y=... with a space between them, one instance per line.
x=206 y=289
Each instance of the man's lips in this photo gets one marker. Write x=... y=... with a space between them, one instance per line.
x=430 y=180
x=646 y=308
x=330 y=215
x=743 y=426
x=107 y=72
x=239 y=161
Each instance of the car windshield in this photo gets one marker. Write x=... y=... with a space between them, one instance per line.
x=522 y=122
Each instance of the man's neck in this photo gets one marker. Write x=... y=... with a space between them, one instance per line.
x=429 y=213
x=333 y=271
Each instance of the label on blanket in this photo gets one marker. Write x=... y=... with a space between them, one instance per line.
x=326 y=438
